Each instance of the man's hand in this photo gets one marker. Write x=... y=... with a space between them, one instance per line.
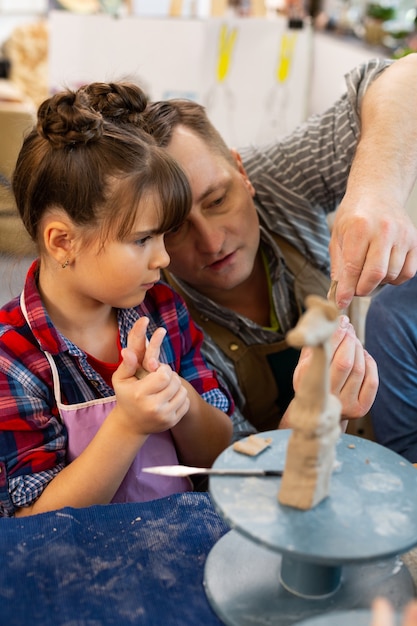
x=353 y=372
x=371 y=245
x=374 y=240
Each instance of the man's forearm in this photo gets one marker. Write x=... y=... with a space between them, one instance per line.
x=387 y=150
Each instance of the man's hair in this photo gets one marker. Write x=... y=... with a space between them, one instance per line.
x=161 y=118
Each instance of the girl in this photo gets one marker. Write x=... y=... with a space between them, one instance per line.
x=86 y=400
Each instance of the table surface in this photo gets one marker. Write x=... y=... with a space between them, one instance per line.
x=140 y=564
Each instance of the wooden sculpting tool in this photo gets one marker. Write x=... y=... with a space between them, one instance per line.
x=331 y=296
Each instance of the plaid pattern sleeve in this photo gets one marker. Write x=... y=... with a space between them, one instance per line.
x=25 y=489
x=32 y=437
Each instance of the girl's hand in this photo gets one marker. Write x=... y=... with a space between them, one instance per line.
x=157 y=401
x=147 y=352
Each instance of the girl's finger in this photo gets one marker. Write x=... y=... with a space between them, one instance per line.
x=136 y=339
x=151 y=357
x=128 y=366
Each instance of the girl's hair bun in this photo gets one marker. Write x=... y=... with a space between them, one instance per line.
x=119 y=103
x=67 y=119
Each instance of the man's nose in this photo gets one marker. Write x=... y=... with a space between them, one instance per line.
x=208 y=236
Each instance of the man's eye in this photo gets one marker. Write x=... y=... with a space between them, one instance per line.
x=141 y=242
x=177 y=235
x=174 y=231
x=218 y=201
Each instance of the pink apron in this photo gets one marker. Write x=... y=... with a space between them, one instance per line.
x=82 y=422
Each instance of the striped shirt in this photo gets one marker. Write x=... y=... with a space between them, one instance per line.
x=33 y=440
x=299 y=180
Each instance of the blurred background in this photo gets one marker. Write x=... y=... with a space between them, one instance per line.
x=260 y=67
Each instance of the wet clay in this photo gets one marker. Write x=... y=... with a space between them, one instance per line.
x=314 y=413
x=252 y=445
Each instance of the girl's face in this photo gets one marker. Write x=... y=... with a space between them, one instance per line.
x=119 y=273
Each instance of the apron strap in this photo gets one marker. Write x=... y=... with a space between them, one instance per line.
x=55 y=375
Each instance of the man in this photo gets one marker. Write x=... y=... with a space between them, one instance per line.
x=394 y=413
x=256 y=240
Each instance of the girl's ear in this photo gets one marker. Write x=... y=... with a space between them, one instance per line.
x=236 y=156
x=58 y=240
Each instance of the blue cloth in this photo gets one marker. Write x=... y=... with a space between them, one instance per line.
x=391 y=338
x=139 y=563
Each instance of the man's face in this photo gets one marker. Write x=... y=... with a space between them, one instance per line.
x=215 y=249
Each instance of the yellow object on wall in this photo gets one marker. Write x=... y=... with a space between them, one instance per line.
x=227 y=39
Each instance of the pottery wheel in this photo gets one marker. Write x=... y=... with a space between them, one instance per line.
x=280 y=565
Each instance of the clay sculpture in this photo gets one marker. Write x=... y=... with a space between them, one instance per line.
x=314 y=413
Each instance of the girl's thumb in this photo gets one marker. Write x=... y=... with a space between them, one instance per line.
x=128 y=366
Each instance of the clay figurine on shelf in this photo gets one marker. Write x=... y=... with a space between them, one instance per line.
x=314 y=413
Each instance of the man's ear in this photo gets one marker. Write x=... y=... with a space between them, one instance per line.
x=58 y=239
x=238 y=159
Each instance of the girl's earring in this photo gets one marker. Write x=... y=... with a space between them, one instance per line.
x=65 y=264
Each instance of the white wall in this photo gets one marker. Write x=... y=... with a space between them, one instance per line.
x=333 y=57
x=251 y=74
